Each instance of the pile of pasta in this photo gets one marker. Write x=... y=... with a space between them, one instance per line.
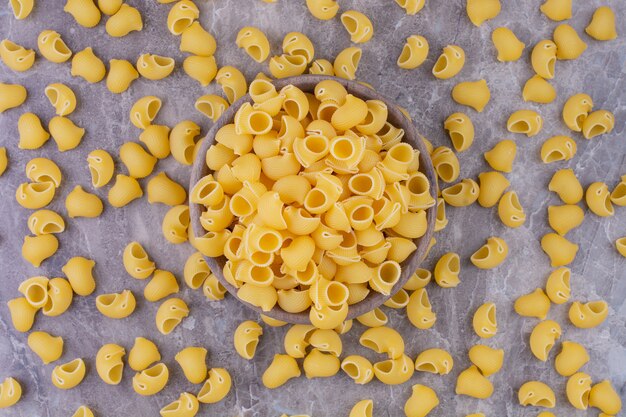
x=314 y=200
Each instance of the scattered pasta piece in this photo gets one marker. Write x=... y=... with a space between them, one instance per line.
x=233 y=83
x=10 y=392
x=358 y=25
x=571 y=358
x=419 y=310
x=181 y=16
x=170 y=314
x=538 y=90
x=543 y=337
x=155 y=67
x=116 y=305
x=578 y=389
x=528 y=122
x=52 y=47
x=462 y=194
x=363 y=408
x=143 y=354
x=411 y=7
x=254 y=42
x=22 y=8
x=37 y=249
x=162 y=284
x=69 y=375
x=620 y=245
x=488 y=360
x=508 y=46
x=11 y=96
x=558 y=285
x=87 y=65
x=83 y=411
x=109 y=7
x=492 y=186
x=22 y=314
x=414 y=52
x=567 y=186
x=80 y=203
x=60 y=295
x=473 y=383
x=490 y=255
x=534 y=304
x=15 y=56
x=484 y=321
x=449 y=63
x=479 y=11
x=124 y=191
x=322 y=9
x=543 y=58
x=186 y=405
x=461 y=131
x=558 y=148
x=201 y=68
x=565 y=218
x=560 y=250
x=109 y=363
x=144 y=111
x=502 y=155
x=537 y=394
x=598 y=199
x=436 y=361
x=101 y=167
x=598 y=123
x=568 y=43
x=557 y=10
x=121 y=75
x=602 y=25
x=32 y=134
x=216 y=387
x=604 y=397
x=65 y=133
x=246 y=339
x=4 y=160
x=281 y=370
x=43 y=222
x=192 y=361
x=127 y=19
x=347 y=62
x=84 y=12
x=196 y=40
x=79 y=272
x=422 y=401
x=588 y=315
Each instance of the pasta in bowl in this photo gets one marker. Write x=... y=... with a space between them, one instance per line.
x=313 y=199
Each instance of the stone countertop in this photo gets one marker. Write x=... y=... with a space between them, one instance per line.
x=598 y=271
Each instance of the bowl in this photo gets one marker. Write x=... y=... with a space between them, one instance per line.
x=307 y=83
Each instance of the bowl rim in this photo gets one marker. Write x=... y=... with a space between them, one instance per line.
x=411 y=136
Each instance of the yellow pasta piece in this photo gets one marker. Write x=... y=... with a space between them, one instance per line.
x=598 y=198
x=528 y=122
x=49 y=348
x=186 y=406
x=508 y=46
x=347 y=62
x=69 y=375
x=197 y=40
x=534 y=304
x=558 y=148
x=170 y=314
x=411 y=7
x=116 y=305
x=490 y=255
x=254 y=42
x=4 y=160
x=436 y=361
x=154 y=67
x=422 y=401
x=79 y=272
x=109 y=363
x=480 y=11
x=449 y=63
x=52 y=47
x=538 y=90
x=484 y=321
x=32 y=134
x=560 y=251
x=60 y=295
x=567 y=186
x=602 y=25
x=598 y=123
x=84 y=12
x=358 y=25
x=568 y=43
x=44 y=222
x=201 y=68
x=492 y=186
x=543 y=337
x=473 y=94
x=37 y=249
x=35 y=195
x=461 y=131
x=127 y=19
x=394 y=371
x=571 y=358
x=65 y=133
x=125 y=190
x=162 y=284
x=11 y=96
x=144 y=111
x=144 y=353
x=101 y=167
x=80 y=203
x=473 y=383
x=537 y=394
x=557 y=10
x=565 y=218
x=447 y=270
x=461 y=194
x=620 y=245
x=419 y=310
x=281 y=370
x=502 y=155
x=604 y=397
x=363 y=408
x=216 y=387
x=15 y=56
x=22 y=8
x=322 y=9
x=543 y=58
x=10 y=392
x=576 y=110
x=588 y=315
x=181 y=16
x=87 y=65
x=109 y=7
x=414 y=52
x=488 y=360
x=121 y=75
x=192 y=361
x=233 y=83
x=22 y=314
x=578 y=389
x=41 y=170
x=558 y=285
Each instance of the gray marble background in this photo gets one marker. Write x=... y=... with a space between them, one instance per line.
x=598 y=272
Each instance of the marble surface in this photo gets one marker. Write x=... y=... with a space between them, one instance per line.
x=598 y=271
